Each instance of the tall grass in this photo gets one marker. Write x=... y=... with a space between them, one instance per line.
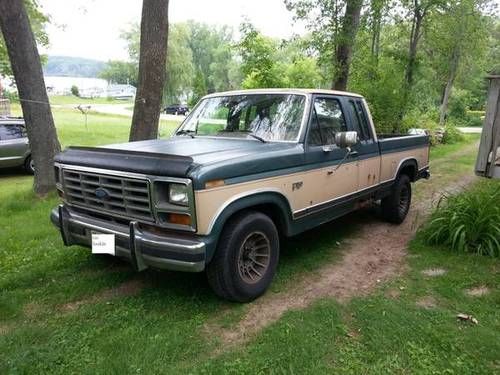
x=469 y=221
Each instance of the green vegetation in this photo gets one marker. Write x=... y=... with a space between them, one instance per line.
x=71 y=99
x=62 y=308
x=101 y=129
x=468 y=222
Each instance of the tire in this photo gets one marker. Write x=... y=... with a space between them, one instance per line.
x=248 y=246
x=29 y=166
x=395 y=207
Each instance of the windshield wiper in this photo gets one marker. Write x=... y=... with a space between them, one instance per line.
x=186 y=132
x=257 y=137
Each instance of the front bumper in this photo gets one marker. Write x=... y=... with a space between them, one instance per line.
x=141 y=247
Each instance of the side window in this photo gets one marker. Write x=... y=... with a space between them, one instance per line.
x=8 y=132
x=363 y=121
x=356 y=120
x=327 y=119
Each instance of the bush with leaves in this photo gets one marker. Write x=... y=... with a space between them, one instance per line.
x=468 y=222
x=452 y=135
x=75 y=91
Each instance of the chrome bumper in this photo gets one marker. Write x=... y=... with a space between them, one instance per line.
x=141 y=248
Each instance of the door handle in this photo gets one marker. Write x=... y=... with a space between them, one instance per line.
x=353 y=153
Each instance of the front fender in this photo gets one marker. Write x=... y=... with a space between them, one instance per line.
x=269 y=199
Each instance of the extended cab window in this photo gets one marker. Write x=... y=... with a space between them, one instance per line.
x=327 y=119
x=360 y=120
x=273 y=117
x=8 y=132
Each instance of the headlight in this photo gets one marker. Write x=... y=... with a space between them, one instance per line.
x=178 y=194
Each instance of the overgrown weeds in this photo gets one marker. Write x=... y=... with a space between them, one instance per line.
x=469 y=221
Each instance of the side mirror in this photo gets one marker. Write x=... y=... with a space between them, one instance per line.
x=346 y=139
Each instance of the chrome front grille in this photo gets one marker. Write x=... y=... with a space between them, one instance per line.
x=121 y=196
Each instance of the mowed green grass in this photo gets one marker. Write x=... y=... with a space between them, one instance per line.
x=63 y=310
x=71 y=99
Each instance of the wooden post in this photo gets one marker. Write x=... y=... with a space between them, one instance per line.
x=488 y=158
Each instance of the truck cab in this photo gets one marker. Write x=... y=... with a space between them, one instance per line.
x=243 y=170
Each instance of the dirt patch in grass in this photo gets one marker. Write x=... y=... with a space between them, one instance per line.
x=375 y=254
x=478 y=291
x=31 y=310
x=5 y=329
x=427 y=302
x=433 y=272
x=372 y=257
x=127 y=289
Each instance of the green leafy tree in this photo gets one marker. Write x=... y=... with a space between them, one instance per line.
x=334 y=25
x=38 y=21
x=122 y=72
x=180 y=68
x=455 y=38
x=258 y=59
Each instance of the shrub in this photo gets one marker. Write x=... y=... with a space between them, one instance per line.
x=469 y=221
x=75 y=91
x=452 y=135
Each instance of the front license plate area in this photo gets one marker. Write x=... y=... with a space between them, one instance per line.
x=103 y=243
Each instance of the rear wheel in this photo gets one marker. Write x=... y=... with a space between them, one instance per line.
x=246 y=258
x=29 y=166
x=395 y=207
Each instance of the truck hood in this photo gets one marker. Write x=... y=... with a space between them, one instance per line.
x=201 y=158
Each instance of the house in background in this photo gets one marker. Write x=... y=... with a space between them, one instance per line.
x=121 y=91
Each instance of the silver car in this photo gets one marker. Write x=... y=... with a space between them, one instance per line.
x=14 y=146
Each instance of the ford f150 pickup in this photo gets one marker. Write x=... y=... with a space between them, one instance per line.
x=243 y=170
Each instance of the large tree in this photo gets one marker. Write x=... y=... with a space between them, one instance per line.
x=455 y=39
x=152 y=69
x=334 y=25
x=343 y=57
x=27 y=69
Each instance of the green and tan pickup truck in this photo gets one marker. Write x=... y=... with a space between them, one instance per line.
x=243 y=170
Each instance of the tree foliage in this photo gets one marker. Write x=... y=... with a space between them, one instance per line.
x=38 y=21
x=121 y=72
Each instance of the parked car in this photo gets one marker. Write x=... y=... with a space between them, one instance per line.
x=14 y=146
x=177 y=109
x=245 y=169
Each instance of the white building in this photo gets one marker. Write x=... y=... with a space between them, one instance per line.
x=121 y=91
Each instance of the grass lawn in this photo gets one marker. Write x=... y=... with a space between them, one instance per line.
x=71 y=99
x=65 y=311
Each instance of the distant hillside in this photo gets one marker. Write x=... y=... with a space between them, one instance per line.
x=72 y=66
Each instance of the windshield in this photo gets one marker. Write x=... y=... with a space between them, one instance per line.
x=270 y=117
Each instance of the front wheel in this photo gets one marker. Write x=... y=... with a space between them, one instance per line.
x=246 y=258
x=395 y=207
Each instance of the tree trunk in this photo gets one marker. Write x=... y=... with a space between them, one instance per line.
x=152 y=70
x=343 y=56
x=412 y=50
x=455 y=57
x=376 y=26
x=416 y=32
x=27 y=69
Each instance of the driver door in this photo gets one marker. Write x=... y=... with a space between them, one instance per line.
x=333 y=178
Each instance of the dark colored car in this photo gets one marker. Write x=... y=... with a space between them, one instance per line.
x=14 y=146
x=177 y=109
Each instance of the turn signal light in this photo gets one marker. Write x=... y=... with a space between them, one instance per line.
x=181 y=219
x=214 y=183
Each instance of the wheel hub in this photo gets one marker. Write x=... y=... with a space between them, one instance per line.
x=254 y=257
